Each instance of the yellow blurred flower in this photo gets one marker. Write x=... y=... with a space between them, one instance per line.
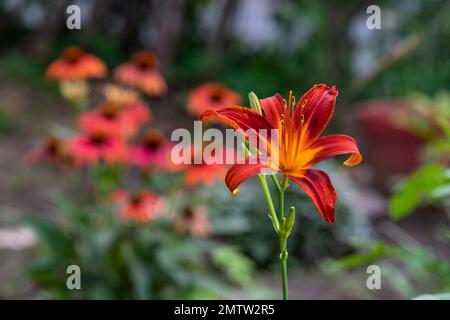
x=120 y=96
x=74 y=91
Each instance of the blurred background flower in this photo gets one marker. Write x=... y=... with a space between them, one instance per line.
x=187 y=55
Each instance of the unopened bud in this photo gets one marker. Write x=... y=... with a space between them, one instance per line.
x=254 y=102
x=289 y=221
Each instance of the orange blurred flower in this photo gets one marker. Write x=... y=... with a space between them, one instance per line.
x=143 y=206
x=75 y=64
x=298 y=142
x=98 y=141
x=214 y=95
x=152 y=152
x=54 y=150
x=142 y=72
x=194 y=221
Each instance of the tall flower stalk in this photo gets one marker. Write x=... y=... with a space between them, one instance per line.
x=290 y=135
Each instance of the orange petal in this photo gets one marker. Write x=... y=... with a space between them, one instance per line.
x=318 y=187
x=334 y=145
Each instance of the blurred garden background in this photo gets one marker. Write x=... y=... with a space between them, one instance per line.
x=198 y=241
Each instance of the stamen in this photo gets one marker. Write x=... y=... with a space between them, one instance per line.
x=304 y=103
x=289 y=105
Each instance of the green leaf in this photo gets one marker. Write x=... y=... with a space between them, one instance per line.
x=139 y=274
x=237 y=267
x=54 y=237
x=418 y=186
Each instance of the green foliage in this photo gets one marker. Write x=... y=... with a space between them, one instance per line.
x=429 y=183
x=236 y=266
x=7 y=123
x=18 y=68
x=131 y=260
x=408 y=269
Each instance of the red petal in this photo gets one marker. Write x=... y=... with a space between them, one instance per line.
x=273 y=108
x=241 y=118
x=317 y=107
x=318 y=187
x=241 y=172
x=334 y=145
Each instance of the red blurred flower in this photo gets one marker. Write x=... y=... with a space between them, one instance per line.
x=194 y=221
x=152 y=152
x=142 y=72
x=76 y=64
x=138 y=113
x=125 y=120
x=214 y=95
x=98 y=141
x=143 y=206
x=299 y=143
x=53 y=150
x=203 y=173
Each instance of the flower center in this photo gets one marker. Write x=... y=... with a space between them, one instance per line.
x=216 y=97
x=153 y=140
x=145 y=60
x=109 y=111
x=98 y=138
x=188 y=213
x=136 y=199
x=73 y=54
x=217 y=93
x=53 y=146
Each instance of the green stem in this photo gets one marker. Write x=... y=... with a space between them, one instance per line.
x=278 y=223
x=283 y=257
x=272 y=212
x=281 y=204
x=283 y=237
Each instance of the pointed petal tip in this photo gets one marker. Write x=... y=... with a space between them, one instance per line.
x=331 y=90
x=354 y=160
x=235 y=192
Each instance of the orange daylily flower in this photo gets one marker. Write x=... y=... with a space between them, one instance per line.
x=214 y=95
x=75 y=64
x=299 y=145
x=142 y=72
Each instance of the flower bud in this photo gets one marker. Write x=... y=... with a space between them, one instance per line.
x=289 y=221
x=254 y=102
